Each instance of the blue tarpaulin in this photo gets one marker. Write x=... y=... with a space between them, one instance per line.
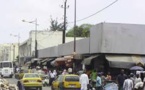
x=111 y=86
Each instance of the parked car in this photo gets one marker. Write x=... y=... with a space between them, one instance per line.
x=31 y=80
x=66 y=82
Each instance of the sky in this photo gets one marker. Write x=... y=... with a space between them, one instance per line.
x=12 y=12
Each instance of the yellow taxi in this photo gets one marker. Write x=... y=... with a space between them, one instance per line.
x=66 y=82
x=31 y=80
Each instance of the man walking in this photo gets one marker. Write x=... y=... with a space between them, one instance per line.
x=84 y=81
x=120 y=79
x=52 y=76
x=98 y=82
x=128 y=84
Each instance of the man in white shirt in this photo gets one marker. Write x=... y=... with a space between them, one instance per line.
x=52 y=77
x=84 y=81
x=128 y=84
x=70 y=70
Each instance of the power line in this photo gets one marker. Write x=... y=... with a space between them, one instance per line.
x=96 y=12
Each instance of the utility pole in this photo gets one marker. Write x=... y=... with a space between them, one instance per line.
x=64 y=31
x=75 y=26
x=36 y=51
x=74 y=69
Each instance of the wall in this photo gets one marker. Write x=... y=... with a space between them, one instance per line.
x=117 y=38
x=96 y=38
x=83 y=46
x=8 y=51
x=123 y=38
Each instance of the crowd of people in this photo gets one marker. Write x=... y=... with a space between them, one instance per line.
x=97 y=80
x=123 y=81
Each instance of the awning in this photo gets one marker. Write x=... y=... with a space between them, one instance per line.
x=52 y=63
x=44 y=60
x=60 y=59
x=27 y=63
x=122 y=61
x=138 y=59
x=35 y=59
x=44 y=63
x=87 y=61
x=68 y=57
x=47 y=60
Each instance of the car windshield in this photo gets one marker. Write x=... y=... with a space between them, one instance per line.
x=6 y=64
x=71 y=78
x=31 y=76
x=41 y=72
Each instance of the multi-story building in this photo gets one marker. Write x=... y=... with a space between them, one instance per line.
x=8 y=51
x=44 y=39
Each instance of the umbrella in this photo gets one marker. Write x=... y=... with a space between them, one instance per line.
x=137 y=68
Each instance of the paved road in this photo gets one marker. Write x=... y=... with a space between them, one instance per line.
x=14 y=81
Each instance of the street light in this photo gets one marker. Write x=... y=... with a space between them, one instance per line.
x=35 y=23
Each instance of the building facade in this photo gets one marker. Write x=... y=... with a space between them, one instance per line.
x=8 y=52
x=44 y=39
x=114 y=45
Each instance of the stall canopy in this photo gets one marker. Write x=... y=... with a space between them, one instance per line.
x=58 y=61
x=123 y=61
x=88 y=60
x=44 y=60
x=52 y=63
x=35 y=59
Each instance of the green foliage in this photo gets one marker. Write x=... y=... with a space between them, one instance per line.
x=81 y=31
x=55 y=25
x=17 y=58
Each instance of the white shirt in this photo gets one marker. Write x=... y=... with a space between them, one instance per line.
x=52 y=75
x=17 y=69
x=84 y=81
x=137 y=80
x=69 y=70
x=128 y=84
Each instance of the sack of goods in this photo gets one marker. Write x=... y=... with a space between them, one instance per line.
x=4 y=85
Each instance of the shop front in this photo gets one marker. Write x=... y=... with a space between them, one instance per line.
x=118 y=62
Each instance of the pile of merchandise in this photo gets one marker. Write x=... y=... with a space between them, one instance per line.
x=5 y=85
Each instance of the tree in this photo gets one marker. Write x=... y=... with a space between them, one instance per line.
x=81 y=31
x=55 y=25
